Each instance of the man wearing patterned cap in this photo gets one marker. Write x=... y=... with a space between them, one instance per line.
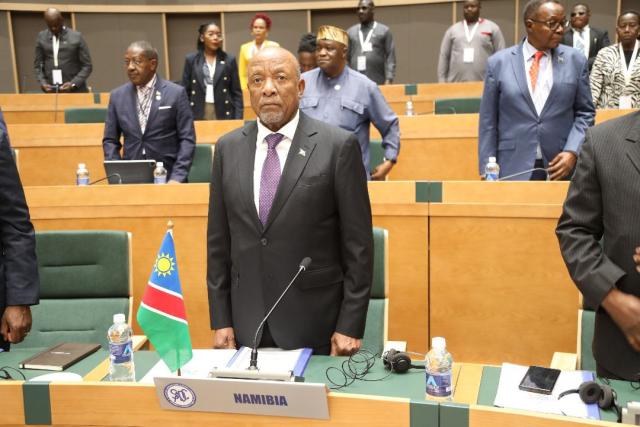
x=341 y=96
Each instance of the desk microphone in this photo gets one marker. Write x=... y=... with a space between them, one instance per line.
x=504 y=178
x=117 y=175
x=253 y=364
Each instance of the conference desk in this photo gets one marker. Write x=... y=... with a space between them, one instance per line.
x=463 y=256
x=382 y=400
x=432 y=148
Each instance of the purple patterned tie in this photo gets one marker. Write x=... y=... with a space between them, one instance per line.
x=270 y=176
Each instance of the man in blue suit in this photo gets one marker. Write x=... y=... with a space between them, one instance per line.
x=19 y=282
x=153 y=115
x=536 y=104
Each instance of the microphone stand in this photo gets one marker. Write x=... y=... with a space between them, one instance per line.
x=117 y=175
x=504 y=178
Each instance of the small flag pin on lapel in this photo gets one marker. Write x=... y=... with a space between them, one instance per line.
x=560 y=59
x=302 y=152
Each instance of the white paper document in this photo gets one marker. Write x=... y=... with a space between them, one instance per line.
x=199 y=366
x=510 y=396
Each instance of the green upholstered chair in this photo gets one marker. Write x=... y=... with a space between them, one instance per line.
x=85 y=115
x=85 y=278
x=202 y=161
x=586 y=322
x=457 y=106
x=375 y=333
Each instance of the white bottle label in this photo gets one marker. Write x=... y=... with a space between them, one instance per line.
x=160 y=179
x=121 y=353
x=82 y=181
x=491 y=176
x=439 y=384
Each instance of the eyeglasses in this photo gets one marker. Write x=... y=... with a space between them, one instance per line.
x=552 y=25
x=5 y=375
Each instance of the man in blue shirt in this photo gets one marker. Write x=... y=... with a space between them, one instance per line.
x=341 y=96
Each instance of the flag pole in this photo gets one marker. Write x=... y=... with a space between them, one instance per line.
x=170 y=229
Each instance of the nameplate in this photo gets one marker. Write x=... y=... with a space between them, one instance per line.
x=257 y=397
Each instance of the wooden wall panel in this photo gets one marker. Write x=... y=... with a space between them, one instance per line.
x=108 y=36
x=6 y=61
x=182 y=33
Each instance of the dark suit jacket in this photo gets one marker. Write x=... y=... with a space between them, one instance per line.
x=19 y=283
x=510 y=128
x=169 y=136
x=603 y=202
x=599 y=39
x=73 y=58
x=321 y=210
x=227 y=93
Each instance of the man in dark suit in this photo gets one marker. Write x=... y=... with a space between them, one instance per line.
x=600 y=241
x=283 y=188
x=153 y=115
x=536 y=104
x=583 y=37
x=62 y=60
x=19 y=283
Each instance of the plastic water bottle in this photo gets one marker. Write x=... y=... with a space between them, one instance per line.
x=409 y=108
x=438 y=364
x=492 y=170
x=159 y=174
x=82 y=174
x=120 y=350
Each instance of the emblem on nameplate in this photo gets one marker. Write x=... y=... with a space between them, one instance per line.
x=179 y=395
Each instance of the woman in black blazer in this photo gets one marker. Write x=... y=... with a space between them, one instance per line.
x=224 y=98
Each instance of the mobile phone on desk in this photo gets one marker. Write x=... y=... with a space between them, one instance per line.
x=539 y=380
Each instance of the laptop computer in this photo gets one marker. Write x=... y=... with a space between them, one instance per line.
x=130 y=171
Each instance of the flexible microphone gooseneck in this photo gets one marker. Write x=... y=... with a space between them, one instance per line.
x=117 y=175
x=253 y=364
x=55 y=107
x=504 y=178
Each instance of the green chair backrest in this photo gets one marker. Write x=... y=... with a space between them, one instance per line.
x=85 y=278
x=375 y=333
x=376 y=153
x=586 y=322
x=202 y=162
x=457 y=106
x=85 y=115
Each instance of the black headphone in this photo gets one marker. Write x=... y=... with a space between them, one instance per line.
x=398 y=361
x=592 y=392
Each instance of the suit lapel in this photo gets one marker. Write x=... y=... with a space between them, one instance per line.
x=557 y=68
x=156 y=98
x=245 y=170
x=133 y=100
x=299 y=153
x=633 y=146
x=220 y=64
x=198 y=63
x=517 y=62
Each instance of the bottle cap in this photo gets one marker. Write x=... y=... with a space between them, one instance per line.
x=492 y=159
x=439 y=343
x=118 y=318
x=81 y=166
x=159 y=164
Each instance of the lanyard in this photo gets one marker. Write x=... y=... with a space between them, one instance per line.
x=469 y=35
x=366 y=40
x=623 y=63
x=56 y=48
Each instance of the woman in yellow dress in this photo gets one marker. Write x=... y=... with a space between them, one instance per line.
x=260 y=26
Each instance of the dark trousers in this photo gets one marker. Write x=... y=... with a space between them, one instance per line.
x=268 y=341
x=539 y=175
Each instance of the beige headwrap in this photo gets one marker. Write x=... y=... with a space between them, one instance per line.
x=328 y=32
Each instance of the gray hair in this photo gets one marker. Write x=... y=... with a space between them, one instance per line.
x=148 y=51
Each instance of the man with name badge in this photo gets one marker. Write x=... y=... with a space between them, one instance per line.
x=371 y=48
x=62 y=61
x=467 y=45
x=283 y=188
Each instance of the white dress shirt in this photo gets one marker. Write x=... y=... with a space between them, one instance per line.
x=544 y=83
x=288 y=130
x=585 y=37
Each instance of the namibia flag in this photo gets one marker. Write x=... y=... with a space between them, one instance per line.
x=161 y=315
